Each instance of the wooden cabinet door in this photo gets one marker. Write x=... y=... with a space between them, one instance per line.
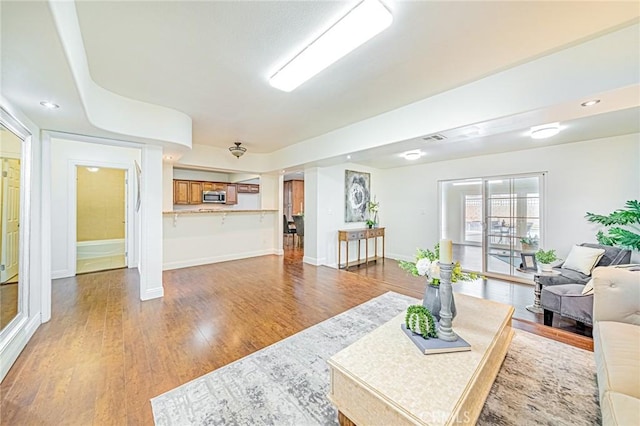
x=254 y=189
x=243 y=188
x=218 y=186
x=180 y=192
x=297 y=197
x=207 y=186
x=232 y=194
x=195 y=192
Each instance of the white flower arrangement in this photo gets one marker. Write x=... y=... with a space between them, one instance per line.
x=426 y=265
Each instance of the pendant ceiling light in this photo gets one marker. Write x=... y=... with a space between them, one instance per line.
x=237 y=150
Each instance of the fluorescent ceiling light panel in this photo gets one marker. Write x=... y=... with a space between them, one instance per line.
x=359 y=25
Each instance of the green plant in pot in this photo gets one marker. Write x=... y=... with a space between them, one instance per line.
x=545 y=259
x=624 y=226
x=373 y=207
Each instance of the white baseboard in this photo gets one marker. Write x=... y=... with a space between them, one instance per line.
x=62 y=273
x=314 y=261
x=16 y=343
x=153 y=293
x=394 y=256
x=216 y=259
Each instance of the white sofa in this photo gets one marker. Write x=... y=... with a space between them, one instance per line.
x=616 y=338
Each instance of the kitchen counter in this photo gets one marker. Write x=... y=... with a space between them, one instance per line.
x=222 y=210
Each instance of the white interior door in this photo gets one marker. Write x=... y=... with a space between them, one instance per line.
x=10 y=219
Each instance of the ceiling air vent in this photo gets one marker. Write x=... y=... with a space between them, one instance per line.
x=436 y=137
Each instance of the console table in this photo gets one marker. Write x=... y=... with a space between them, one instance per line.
x=359 y=235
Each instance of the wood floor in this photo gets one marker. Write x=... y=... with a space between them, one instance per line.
x=8 y=303
x=104 y=353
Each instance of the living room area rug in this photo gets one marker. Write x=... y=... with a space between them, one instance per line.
x=540 y=382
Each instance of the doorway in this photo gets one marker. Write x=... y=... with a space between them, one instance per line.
x=10 y=212
x=101 y=219
x=10 y=239
x=293 y=211
x=492 y=221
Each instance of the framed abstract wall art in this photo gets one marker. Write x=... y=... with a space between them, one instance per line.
x=357 y=188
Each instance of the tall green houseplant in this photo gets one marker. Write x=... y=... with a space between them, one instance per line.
x=628 y=217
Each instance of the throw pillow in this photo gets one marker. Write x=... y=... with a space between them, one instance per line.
x=588 y=289
x=583 y=259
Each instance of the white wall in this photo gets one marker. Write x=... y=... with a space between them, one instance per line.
x=591 y=176
x=269 y=191
x=63 y=154
x=247 y=202
x=200 y=175
x=10 y=145
x=328 y=210
x=167 y=187
x=202 y=238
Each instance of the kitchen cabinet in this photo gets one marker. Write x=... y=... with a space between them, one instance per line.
x=181 y=192
x=293 y=198
x=232 y=194
x=190 y=191
x=195 y=192
x=248 y=188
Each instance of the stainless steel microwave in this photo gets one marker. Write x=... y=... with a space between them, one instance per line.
x=214 y=197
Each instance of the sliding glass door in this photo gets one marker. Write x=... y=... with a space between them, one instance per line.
x=492 y=220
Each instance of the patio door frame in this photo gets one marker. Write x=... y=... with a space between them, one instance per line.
x=485 y=209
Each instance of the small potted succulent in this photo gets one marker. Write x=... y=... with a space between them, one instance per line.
x=545 y=259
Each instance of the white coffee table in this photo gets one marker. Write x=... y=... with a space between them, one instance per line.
x=384 y=379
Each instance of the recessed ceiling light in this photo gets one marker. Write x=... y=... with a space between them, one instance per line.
x=348 y=157
x=93 y=169
x=413 y=155
x=362 y=23
x=592 y=102
x=545 y=131
x=49 y=105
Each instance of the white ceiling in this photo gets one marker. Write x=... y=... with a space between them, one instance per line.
x=211 y=60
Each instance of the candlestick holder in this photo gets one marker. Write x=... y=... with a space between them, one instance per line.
x=445 y=330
